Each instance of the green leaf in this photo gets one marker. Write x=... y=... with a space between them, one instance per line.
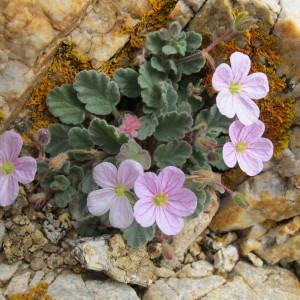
x=172 y=154
x=137 y=236
x=159 y=64
x=148 y=127
x=199 y=160
x=75 y=176
x=213 y=120
x=96 y=91
x=149 y=80
x=193 y=66
x=42 y=168
x=169 y=50
x=88 y=184
x=173 y=126
x=154 y=43
x=63 y=103
x=79 y=138
x=127 y=80
x=87 y=226
x=106 y=136
x=63 y=198
x=170 y=97
x=132 y=150
x=60 y=183
x=59 y=139
x=77 y=206
x=193 y=41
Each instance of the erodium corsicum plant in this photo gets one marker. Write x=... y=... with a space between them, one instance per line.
x=139 y=151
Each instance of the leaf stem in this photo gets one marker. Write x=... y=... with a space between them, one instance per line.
x=116 y=113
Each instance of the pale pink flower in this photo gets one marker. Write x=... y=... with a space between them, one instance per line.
x=247 y=147
x=13 y=169
x=112 y=197
x=237 y=89
x=131 y=124
x=164 y=200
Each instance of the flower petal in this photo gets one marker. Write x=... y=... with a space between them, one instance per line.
x=9 y=190
x=121 y=214
x=128 y=172
x=240 y=65
x=235 y=129
x=100 y=201
x=252 y=132
x=182 y=202
x=225 y=103
x=171 y=178
x=249 y=164
x=147 y=185
x=168 y=223
x=10 y=145
x=261 y=149
x=222 y=77
x=247 y=111
x=256 y=85
x=25 y=169
x=144 y=213
x=105 y=175
x=229 y=155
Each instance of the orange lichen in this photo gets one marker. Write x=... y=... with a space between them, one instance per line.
x=36 y=293
x=277 y=112
x=154 y=19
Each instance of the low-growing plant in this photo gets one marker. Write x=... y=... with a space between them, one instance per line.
x=141 y=148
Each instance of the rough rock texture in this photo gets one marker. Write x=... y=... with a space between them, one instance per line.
x=111 y=255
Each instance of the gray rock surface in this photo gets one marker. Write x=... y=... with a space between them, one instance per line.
x=7 y=271
x=18 y=284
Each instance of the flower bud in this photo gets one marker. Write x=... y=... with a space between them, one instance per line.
x=175 y=29
x=44 y=136
x=57 y=162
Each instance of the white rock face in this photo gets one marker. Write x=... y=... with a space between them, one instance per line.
x=18 y=284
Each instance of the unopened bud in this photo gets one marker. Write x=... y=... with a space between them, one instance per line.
x=175 y=29
x=44 y=136
x=167 y=251
x=57 y=162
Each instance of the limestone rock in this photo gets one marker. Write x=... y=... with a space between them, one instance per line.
x=18 y=284
x=185 y=289
x=7 y=271
x=197 y=269
x=226 y=258
x=111 y=255
x=2 y=233
x=110 y=290
x=182 y=13
x=191 y=232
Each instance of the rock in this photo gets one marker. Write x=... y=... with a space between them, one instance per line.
x=165 y=273
x=270 y=282
x=226 y=258
x=269 y=197
x=195 y=4
x=237 y=289
x=69 y=286
x=18 y=284
x=111 y=255
x=37 y=263
x=182 y=13
x=256 y=261
x=37 y=278
x=197 y=269
x=110 y=290
x=2 y=233
x=187 y=289
x=190 y=233
x=7 y=271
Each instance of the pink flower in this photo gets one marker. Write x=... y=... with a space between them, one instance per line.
x=236 y=88
x=112 y=197
x=131 y=124
x=13 y=169
x=247 y=147
x=163 y=200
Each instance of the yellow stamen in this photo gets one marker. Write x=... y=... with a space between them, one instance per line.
x=161 y=199
x=241 y=147
x=120 y=190
x=234 y=88
x=7 y=168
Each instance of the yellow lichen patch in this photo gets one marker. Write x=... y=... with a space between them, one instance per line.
x=66 y=64
x=37 y=293
x=277 y=112
x=154 y=19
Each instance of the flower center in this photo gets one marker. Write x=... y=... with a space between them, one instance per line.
x=7 y=168
x=234 y=88
x=120 y=190
x=160 y=199
x=241 y=147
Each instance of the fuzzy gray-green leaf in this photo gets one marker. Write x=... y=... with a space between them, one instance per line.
x=97 y=91
x=59 y=139
x=64 y=104
x=79 y=138
x=172 y=154
x=149 y=123
x=63 y=198
x=127 y=80
x=60 y=183
x=137 y=236
x=193 y=66
x=173 y=126
x=106 y=136
x=193 y=41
